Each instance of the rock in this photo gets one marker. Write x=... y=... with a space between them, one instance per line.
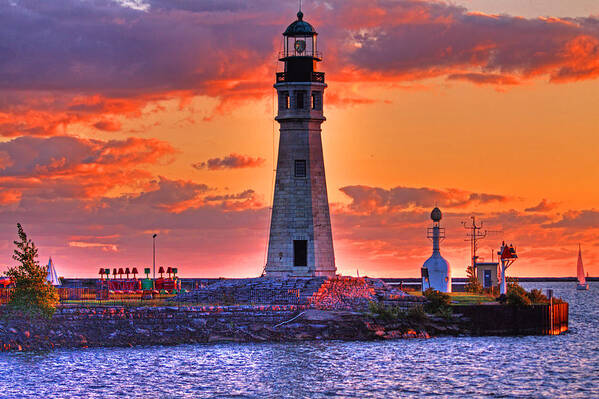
x=317 y=326
x=319 y=315
x=392 y=335
x=303 y=336
x=220 y=338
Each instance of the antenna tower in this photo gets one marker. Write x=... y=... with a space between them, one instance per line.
x=475 y=234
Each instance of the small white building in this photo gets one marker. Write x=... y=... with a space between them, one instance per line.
x=436 y=272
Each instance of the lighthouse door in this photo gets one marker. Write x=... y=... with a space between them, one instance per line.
x=300 y=253
x=487 y=279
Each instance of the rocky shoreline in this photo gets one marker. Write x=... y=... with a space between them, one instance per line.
x=83 y=327
x=107 y=327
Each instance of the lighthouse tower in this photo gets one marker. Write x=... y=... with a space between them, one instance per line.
x=300 y=242
x=436 y=273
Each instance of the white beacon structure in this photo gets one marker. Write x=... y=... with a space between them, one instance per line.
x=436 y=273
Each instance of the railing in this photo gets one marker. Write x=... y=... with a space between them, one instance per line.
x=316 y=77
x=5 y=295
x=315 y=54
x=103 y=297
x=98 y=297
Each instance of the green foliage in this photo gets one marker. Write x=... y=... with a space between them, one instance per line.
x=437 y=301
x=536 y=296
x=33 y=294
x=446 y=313
x=516 y=295
x=473 y=285
x=384 y=312
x=394 y=313
x=417 y=313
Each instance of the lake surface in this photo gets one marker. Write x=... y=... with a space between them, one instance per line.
x=522 y=367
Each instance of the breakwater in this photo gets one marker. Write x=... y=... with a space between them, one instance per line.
x=82 y=327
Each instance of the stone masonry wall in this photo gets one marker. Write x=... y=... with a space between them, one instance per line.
x=300 y=206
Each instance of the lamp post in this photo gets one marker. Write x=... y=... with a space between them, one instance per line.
x=154 y=255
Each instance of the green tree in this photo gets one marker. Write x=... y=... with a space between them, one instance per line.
x=473 y=285
x=33 y=294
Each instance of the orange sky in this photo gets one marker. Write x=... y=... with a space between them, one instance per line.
x=504 y=127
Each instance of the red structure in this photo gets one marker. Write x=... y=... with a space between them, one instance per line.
x=133 y=288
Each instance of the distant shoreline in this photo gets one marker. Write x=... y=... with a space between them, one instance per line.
x=72 y=282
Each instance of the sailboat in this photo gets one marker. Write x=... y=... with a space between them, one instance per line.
x=582 y=282
x=52 y=276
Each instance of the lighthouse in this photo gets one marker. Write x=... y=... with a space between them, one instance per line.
x=300 y=241
x=436 y=273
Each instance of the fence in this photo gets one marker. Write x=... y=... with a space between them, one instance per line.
x=93 y=296
x=5 y=295
x=541 y=319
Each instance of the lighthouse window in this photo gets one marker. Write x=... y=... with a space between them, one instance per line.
x=316 y=100
x=300 y=168
x=299 y=100
x=284 y=100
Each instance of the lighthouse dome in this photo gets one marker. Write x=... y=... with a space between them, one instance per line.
x=300 y=27
x=436 y=214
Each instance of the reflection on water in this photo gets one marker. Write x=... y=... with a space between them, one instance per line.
x=536 y=367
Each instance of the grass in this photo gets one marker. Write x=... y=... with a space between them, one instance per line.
x=464 y=298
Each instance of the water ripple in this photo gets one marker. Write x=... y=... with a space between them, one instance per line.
x=487 y=367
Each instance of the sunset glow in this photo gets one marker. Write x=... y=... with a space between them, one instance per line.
x=120 y=119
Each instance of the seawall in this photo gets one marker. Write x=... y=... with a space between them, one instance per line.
x=81 y=327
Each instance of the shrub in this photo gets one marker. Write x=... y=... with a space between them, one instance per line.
x=474 y=286
x=516 y=295
x=437 y=301
x=384 y=312
x=446 y=313
x=33 y=294
x=416 y=314
x=536 y=296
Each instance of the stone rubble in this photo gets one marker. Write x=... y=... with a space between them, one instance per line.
x=80 y=327
x=336 y=293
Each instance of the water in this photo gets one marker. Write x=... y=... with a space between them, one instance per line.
x=522 y=367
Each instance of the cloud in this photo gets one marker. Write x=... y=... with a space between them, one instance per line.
x=65 y=166
x=108 y=125
x=232 y=161
x=419 y=39
x=95 y=61
x=543 y=206
x=583 y=219
x=201 y=231
x=484 y=78
x=376 y=199
x=104 y=247
x=10 y=196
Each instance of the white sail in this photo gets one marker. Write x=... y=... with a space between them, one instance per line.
x=52 y=276
x=580 y=269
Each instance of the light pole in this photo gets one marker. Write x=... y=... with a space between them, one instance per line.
x=154 y=256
